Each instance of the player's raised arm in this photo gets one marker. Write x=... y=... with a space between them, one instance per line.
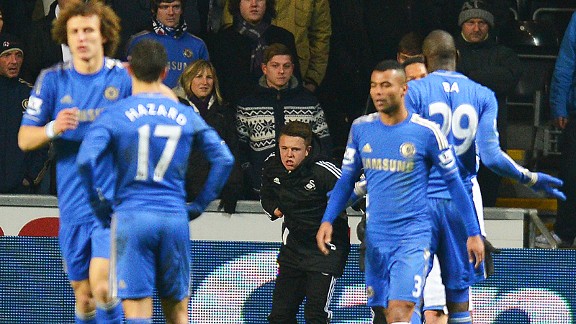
x=498 y=161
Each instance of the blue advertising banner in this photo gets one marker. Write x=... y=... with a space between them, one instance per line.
x=232 y=282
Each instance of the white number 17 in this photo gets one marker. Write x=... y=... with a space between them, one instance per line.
x=172 y=133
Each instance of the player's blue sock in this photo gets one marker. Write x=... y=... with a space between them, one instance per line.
x=138 y=321
x=89 y=318
x=460 y=318
x=109 y=313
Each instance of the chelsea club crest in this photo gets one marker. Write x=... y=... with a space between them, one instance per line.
x=407 y=150
x=111 y=93
x=188 y=53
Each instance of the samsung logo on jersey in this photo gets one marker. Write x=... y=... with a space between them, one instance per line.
x=85 y=115
x=176 y=66
x=388 y=165
x=153 y=110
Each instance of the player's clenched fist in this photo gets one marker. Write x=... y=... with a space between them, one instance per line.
x=66 y=119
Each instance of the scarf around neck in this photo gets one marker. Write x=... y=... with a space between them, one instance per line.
x=255 y=33
x=201 y=105
x=174 y=32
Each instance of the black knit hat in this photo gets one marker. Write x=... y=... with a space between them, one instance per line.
x=475 y=9
x=9 y=43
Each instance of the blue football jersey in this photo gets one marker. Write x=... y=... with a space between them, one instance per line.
x=59 y=87
x=396 y=161
x=466 y=112
x=150 y=138
x=181 y=52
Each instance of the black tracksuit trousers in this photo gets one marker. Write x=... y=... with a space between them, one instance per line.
x=292 y=285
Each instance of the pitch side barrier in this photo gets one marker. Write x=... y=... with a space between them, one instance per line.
x=234 y=267
x=30 y=215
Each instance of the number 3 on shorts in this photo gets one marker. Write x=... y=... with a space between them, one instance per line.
x=417 y=286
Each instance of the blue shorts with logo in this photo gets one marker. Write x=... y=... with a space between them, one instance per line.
x=151 y=250
x=395 y=270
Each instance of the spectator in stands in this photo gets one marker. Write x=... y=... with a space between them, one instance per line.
x=493 y=65
x=170 y=29
x=279 y=99
x=563 y=105
x=42 y=51
x=199 y=88
x=238 y=50
x=448 y=11
x=20 y=173
x=135 y=16
x=210 y=12
x=410 y=46
x=310 y=23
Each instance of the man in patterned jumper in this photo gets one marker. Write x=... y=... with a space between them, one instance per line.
x=279 y=99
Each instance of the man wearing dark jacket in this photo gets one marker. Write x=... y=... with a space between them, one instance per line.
x=278 y=100
x=237 y=50
x=295 y=184
x=20 y=172
x=492 y=65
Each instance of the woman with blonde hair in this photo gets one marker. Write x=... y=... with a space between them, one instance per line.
x=199 y=82
x=199 y=88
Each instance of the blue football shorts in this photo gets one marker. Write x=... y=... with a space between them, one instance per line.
x=151 y=250
x=449 y=244
x=80 y=243
x=395 y=270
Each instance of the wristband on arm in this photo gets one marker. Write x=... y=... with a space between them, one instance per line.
x=49 y=128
